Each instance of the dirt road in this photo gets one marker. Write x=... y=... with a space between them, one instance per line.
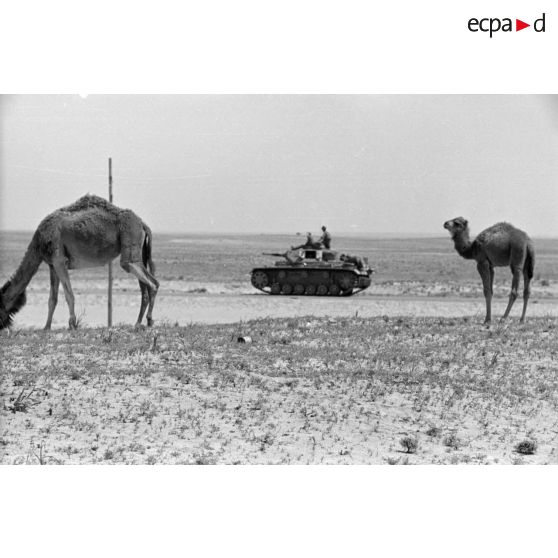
x=229 y=308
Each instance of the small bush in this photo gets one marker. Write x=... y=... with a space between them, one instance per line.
x=433 y=431
x=526 y=447
x=452 y=441
x=409 y=444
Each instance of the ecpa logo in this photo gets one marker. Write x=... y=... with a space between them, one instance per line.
x=492 y=25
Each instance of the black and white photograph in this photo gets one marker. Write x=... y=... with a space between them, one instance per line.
x=295 y=279
x=278 y=279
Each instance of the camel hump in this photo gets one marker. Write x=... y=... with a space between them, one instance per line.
x=503 y=234
x=90 y=201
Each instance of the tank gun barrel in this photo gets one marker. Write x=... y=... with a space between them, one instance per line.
x=276 y=254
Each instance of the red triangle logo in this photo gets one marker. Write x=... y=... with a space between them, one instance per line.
x=519 y=25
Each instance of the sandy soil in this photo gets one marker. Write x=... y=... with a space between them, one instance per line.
x=305 y=390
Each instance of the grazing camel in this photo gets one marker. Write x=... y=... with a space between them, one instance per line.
x=88 y=233
x=499 y=245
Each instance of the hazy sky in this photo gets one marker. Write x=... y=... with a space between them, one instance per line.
x=286 y=163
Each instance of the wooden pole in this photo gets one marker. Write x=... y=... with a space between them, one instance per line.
x=110 y=263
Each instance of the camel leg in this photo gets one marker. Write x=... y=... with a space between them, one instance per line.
x=53 y=298
x=149 y=282
x=485 y=273
x=144 y=301
x=526 y=293
x=142 y=274
x=152 y=295
x=64 y=277
x=513 y=294
x=152 y=278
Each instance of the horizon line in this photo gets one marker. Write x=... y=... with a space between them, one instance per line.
x=406 y=234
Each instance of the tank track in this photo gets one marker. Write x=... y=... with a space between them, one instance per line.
x=309 y=282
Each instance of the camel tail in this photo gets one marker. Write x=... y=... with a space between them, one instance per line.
x=12 y=293
x=530 y=261
x=146 y=251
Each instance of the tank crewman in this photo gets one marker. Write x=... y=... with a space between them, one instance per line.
x=308 y=244
x=355 y=260
x=325 y=239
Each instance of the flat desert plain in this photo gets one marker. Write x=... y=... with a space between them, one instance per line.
x=402 y=373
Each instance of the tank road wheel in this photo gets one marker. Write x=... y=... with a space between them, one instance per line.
x=259 y=279
x=275 y=288
x=321 y=290
x=310 y=290
x=334 y=290
x=286 y=289
x=298 y=289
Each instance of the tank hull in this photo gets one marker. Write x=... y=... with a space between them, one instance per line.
x=304 y=280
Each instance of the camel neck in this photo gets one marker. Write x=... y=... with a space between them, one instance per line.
x=463 y=245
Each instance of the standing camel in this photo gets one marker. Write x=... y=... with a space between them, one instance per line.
x=498 y=246
x=88 y=233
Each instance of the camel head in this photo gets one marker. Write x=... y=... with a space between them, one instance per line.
x=8 y=309
x=456 y=226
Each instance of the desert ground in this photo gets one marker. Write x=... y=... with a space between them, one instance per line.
x=403 y=373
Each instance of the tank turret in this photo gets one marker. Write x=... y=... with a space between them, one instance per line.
x=313 y=271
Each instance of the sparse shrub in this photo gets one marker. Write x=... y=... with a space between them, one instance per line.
x=21 y=403
x=80 y=320
x=204 y=459
x=136 y=447
x=266 y=440
x=452 y=441
x=409 y=444
x=154 y=348
x=147 y=410
x=434 y=431
x=460 y=458
x=40 y=456
x=526 y=447
x=106 y=336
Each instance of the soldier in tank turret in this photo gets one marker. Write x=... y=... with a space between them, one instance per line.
x=325 y=239
x=308 y=244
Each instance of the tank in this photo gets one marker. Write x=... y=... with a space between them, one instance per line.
x=310 y=272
